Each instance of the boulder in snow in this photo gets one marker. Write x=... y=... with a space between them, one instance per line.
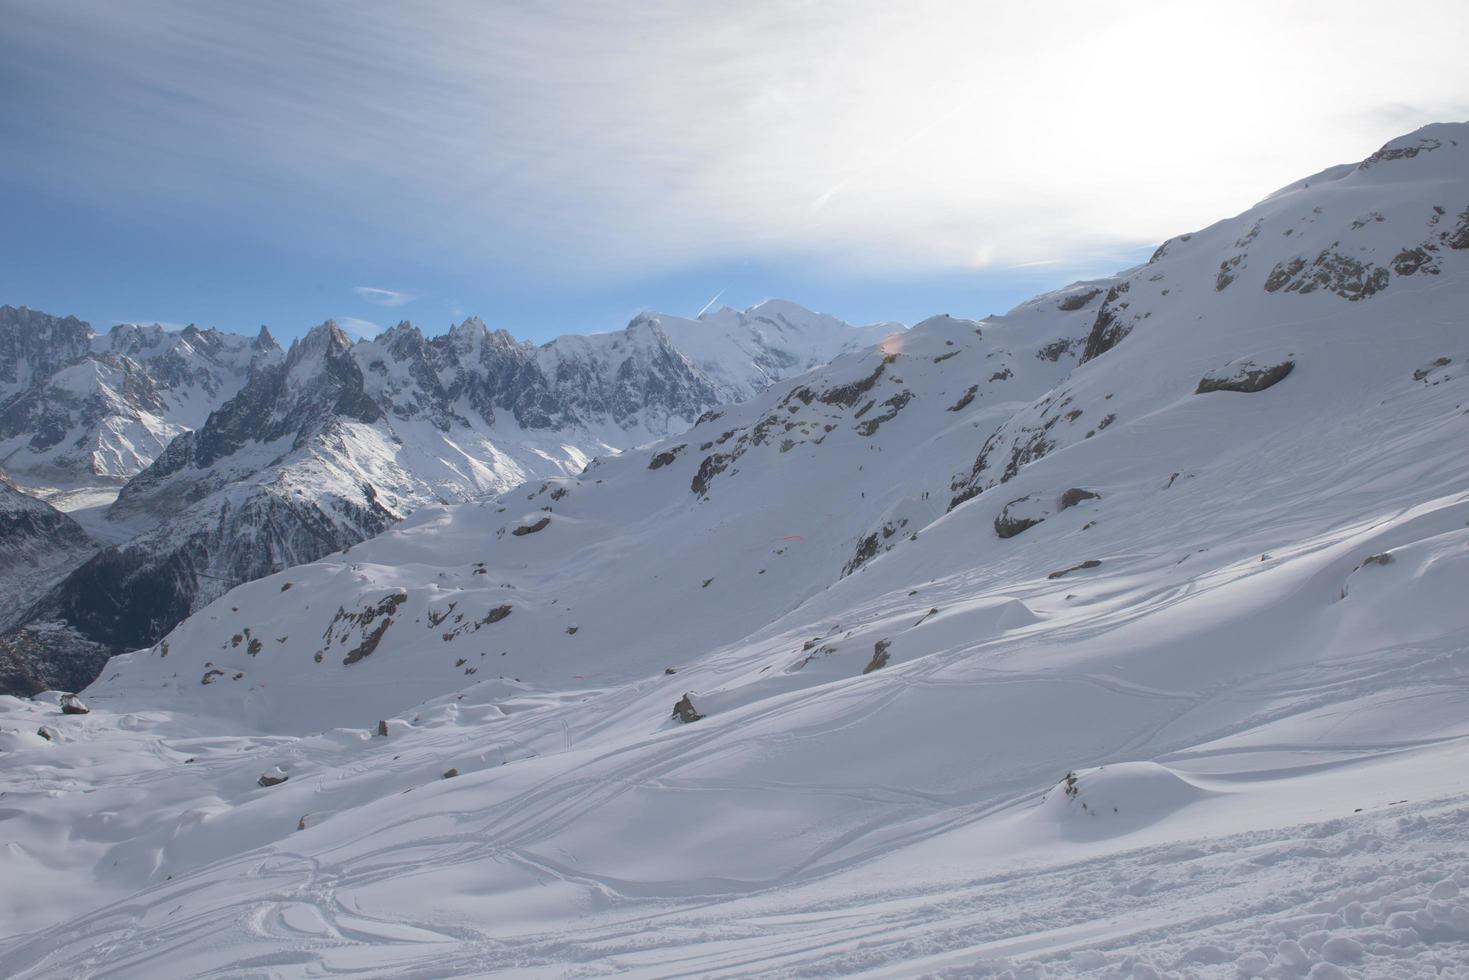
x=1019 y=515
x=684 y=710
x=273 y=776
x=1245 y=377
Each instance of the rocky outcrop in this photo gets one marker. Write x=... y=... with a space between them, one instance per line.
x=1076 y=495
x=532 y=528
x=1330 y=270
x=1078 y=567
x=879 y=656
x=685 y=711
x=272 y=777
x=1019 y=515
x=1110 y=326
x=1245 y=377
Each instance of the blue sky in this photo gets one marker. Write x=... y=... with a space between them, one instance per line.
x=558 y=167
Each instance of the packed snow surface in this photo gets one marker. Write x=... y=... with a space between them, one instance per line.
x=1087 y=640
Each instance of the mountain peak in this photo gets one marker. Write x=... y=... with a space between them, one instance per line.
x=320 y=339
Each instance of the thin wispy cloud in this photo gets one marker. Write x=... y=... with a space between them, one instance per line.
x=610 y=142
x=383 y=297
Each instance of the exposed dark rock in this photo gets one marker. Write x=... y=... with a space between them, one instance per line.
x=1007 y=525
x=1382 y=559
x=1425 y=144
x=1076 y=495
x=1227 y=272
x=1108 y=330
x=1162 y=250
x=48 y=733
x=525 y=529
x=669 y=670
x=1332 y=271
x=1245 y=377
x=684 y=710
x=1089 y=563
x=711 y=467
x=895 y=404
x=72 y=705
x=497 y=614
x=1424 y=372
x=1412 y=260
x=879 y=656
x=964 y=399
x=1036 y=446
x=847 y=395
x=382 y=728
x=666 y=457
x=369 y=644
x=450 y=773
x=1076 y=301
x=1459 y=238
x=1057 y=348
x=273 y=778
x=867 y=549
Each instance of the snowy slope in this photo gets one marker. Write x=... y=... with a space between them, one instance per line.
x=1109 y=534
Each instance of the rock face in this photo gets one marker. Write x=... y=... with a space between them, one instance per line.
x=1245 y=377
x=37 y=543
x=295 y=455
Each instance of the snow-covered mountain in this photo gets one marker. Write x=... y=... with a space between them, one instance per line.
x=81 y=409
x=335 y=441
x=1120 y=635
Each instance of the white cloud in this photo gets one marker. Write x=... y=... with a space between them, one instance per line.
x=383 y=297
x=598 y=140
x=361 y=329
